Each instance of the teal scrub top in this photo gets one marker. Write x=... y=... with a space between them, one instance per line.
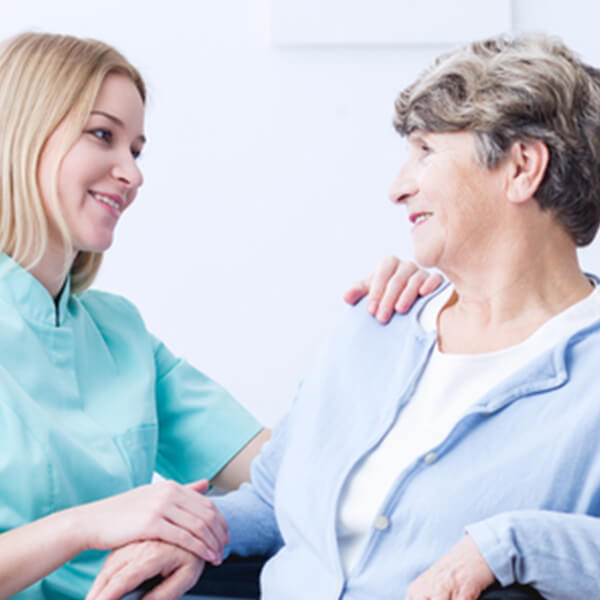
x=90 y=405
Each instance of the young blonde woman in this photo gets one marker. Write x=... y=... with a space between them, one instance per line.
x=90 y=403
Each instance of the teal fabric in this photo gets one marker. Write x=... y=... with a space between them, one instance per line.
x=90 y=405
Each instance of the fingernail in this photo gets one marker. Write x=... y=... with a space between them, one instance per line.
x=383 y=316
x=372 y=307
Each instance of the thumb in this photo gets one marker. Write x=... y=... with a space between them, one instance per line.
x=201 y=486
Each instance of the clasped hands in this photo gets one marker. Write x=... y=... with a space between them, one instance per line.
x=462 y=574
x=190 y=528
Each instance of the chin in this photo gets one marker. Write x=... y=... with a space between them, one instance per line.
x=98 y=245
x=427 y=255
x=425 y=260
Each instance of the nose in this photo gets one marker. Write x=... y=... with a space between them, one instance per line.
x=404 y=185
x=127 y=171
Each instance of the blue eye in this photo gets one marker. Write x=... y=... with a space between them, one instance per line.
x=102 y=134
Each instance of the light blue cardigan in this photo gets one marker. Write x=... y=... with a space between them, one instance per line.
x=512 y=468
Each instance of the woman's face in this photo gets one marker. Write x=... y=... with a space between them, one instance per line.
x=453 y=204
x=98 y=178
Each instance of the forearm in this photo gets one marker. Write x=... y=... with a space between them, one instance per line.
x=556 y=552
x=31 y=552
x=167 y=511
x=237 y=470
x=249 y=511
x=251 y=522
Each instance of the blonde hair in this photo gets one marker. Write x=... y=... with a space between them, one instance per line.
x=506 y=90
x=44 y=78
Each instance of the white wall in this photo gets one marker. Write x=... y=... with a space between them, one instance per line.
x=266 y=172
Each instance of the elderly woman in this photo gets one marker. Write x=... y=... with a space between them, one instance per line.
x=457 y=447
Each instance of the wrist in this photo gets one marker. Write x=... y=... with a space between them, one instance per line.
x=75 y=528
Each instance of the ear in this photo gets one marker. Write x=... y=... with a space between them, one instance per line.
x=528 y=161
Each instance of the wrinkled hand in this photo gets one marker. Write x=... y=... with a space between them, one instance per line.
x=128 y=567
x=462 y=574
x=394 y=285
x=166 y=511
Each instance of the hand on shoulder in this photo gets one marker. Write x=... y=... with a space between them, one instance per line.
x=394 y=285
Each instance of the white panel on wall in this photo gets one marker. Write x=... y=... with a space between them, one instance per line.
x=386 y=22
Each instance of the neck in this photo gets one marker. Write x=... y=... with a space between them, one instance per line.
x=509 y=292
x=52 y=270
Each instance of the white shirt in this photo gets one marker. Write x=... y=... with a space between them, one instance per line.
x=449 y=386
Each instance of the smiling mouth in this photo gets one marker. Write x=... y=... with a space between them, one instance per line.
x=417 y=218
x=107 y=200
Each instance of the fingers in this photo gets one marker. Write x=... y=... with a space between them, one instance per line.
x=174 y=586
x=178 y=536
x=116 y=586
x=206 y=533
x=206 y=521
x=410 y=292
x=211 y=518
x=128 y=567
x=358 y=291
x=401 y=290
x=394 y=285
x=189 y=520
x=397 y=288
x=432 y=283
x=383 y=273
x=113 y=582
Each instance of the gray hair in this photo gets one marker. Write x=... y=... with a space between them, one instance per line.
x=530 y=87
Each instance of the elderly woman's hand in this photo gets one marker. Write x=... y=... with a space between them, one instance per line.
x=394 y=285
x=128 y=567
x=461 y=574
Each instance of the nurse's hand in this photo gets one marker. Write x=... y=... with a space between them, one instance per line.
x=393 y=286
x=166 y=511
x=128 y=567
x=461 y=574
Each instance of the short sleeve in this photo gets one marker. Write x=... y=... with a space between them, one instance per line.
x=201 y=426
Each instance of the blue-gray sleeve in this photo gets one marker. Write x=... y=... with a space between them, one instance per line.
x=557 y=553
x=249 y=511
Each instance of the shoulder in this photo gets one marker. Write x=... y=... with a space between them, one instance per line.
x=103 y=304
x=357 y=325
x=360 y=344
x=583 y=346
x=110 y=313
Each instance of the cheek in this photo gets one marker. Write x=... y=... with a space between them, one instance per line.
x=74 y=180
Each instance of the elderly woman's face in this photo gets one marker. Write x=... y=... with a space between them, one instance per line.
x=454 y=205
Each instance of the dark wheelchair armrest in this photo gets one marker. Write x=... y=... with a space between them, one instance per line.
x=237 y=577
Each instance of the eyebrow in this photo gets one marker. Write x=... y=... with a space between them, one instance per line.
x=116 y=120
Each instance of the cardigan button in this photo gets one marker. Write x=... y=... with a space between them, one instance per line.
x=430 y=458
x=382 y=523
